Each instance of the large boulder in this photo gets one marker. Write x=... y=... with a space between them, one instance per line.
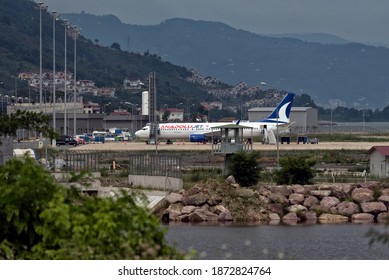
x=298 y=189
x=310 y=201
x=320 y=193
x=263 y=191
x=194 y=190
x=274 y=217
x=264 y=199
x=329 y=202
x=278 y=198
x=362 y=218
x=173 y=198
x=197 y=199
x=383 y=217
x=225 y=216
x=201 y=215
x=347 y=208
x=296 y=208
x=385 y=191
x=384 y=199
x=283 y=190
x=373 y=207
x=362 y=195
x=188 y=209
x=291 y=216
x=296 y=198
x=244 y=192
x=332 y=218
x=276 y=208
x=230 y=180
x=214 y=199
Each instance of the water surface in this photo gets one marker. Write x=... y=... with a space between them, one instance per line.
x=301 y=242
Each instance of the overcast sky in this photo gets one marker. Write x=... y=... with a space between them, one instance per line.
x=355 y=20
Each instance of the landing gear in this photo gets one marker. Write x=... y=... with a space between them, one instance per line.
x=169 y=142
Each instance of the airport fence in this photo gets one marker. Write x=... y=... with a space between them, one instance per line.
x=129 y=163
x=155 y=165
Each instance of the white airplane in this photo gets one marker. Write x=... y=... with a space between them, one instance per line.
x=201 y=132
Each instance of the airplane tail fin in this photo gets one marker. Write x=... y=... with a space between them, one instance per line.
x=281 y=114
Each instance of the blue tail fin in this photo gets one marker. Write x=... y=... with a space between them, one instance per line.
x=282 y=110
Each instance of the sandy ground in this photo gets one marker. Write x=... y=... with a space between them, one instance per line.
x=138 y=146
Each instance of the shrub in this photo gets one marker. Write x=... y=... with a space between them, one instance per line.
x=295 y=170
x=244 y=166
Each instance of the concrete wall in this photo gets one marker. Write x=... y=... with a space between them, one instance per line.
x=156 y=182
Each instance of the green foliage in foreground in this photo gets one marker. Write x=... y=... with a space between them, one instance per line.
x=295 y=170
x=39 y=122
x=42 y=220
x=244 y=166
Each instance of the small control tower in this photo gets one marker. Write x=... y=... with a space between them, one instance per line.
x=231 y=141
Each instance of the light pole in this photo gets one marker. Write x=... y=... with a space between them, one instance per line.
x=55 y=17
x=66 y=22
x=75 y=32
x=44 y=8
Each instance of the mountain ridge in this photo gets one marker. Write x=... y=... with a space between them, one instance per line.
x=341 y=73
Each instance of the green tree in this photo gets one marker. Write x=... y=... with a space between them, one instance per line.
x=43 y=220
x=39 y=122
x=166 y=115
x=295 y=170
x=244 y=166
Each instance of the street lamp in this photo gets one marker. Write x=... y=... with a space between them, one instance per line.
x=66 y=25
x=55 y=18
x=75 y=32
x=41 y=8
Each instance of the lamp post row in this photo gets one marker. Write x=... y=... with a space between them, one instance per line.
x=75 y=32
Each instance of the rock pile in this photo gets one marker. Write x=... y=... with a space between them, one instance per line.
x=324 y=203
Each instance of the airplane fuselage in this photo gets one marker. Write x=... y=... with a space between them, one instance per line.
x=192 y=131
x=200 y=132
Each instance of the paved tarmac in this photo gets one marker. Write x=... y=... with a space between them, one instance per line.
x=141 y=146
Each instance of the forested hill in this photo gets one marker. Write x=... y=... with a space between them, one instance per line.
x=19 y=52
x=349 y=74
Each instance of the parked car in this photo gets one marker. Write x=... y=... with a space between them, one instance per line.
x=66 y=140
x=80 y=139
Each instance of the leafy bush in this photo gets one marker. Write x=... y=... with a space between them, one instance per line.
x=295 y=170
x=244 y=166
x=43 y=220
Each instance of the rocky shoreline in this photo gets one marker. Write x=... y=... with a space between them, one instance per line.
x=213 y=201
